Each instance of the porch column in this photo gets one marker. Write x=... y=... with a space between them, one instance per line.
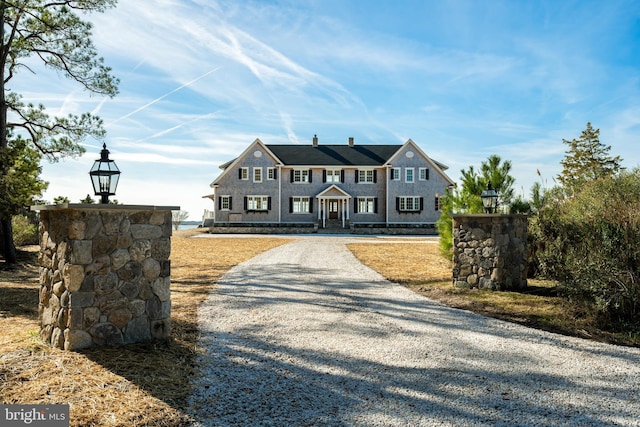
x=347 y=202
x=344 y=205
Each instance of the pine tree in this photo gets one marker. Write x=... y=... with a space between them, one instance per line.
x=498 y=173
x=56 y=35
x=587 y=159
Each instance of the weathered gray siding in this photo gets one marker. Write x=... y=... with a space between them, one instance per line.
x=229 y=184
x=436 y=184
x=316 y=186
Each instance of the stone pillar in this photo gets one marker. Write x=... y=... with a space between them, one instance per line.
x=490 y=251
x=104 y=274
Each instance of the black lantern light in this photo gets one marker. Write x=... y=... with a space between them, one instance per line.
x=104 y=176
x=489 y=199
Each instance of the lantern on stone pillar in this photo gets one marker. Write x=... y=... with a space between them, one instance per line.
x=489 y=199
x=104 y=176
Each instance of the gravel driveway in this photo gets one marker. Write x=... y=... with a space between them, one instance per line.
x=305 y=335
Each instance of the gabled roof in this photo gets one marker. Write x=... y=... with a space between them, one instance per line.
x=228 y=166
x=333 y=191
x=412 y=145
x=333 y=155
x=371 y=155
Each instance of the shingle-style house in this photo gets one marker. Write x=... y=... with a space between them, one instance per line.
x=330 y=186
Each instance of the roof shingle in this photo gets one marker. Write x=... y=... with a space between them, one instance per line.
x=334 y=155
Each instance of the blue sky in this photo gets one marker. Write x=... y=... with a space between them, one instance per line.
x=201 y=79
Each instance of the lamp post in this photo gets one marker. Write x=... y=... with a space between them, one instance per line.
x=104 y=176
x=489 y=199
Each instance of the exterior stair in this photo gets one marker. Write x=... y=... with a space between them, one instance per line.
x=334 y=226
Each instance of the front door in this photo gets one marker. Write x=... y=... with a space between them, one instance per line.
x=333 y=209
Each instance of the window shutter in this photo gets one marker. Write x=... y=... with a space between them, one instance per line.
x=342 y=176
x=291 y=175
x=310 y=205
x=375 y=176
x=427 y=172
x=310 y=175
x=391 y=173
x=219 y=203
x=324 y=175
x=239 y=173
x=230 y=205
x=245 y=203
x=290 y=204
x=357 y=176
x=275 y=173
x=375 y=205
x=269 y=203
x=421 y=204
x=398 y=204
x=355 y=205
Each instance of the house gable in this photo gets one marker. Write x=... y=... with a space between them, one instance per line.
x=333 y=191
x=410 y=149
x=256 y=147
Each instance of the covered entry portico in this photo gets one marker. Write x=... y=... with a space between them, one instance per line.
x=334 y=204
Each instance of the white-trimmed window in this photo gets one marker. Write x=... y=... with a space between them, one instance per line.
x=409 y=203
x=423 y=174
x=409 y=175
x=395 y=173
x=257 y=203
x=300 y=175
x=257 y=174
x=271 y=173
x=333 y=175
x=366 y=205
x=224 y=203
x=300 y=205
x=243 y=173
x=437 y=203
x=366 y=176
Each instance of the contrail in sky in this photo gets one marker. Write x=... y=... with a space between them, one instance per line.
x=164 y=96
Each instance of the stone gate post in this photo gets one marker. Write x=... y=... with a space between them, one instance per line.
x=490 y=251
x=104 y=274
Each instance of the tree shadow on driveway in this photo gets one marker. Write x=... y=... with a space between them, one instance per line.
x=292 y=345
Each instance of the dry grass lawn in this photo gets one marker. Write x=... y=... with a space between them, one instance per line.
x=132 y=385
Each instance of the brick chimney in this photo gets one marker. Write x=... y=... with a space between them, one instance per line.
x=315 y=140
x=350 y=141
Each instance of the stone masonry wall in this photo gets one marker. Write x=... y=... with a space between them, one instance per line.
x=104 y=275
x=490 y=251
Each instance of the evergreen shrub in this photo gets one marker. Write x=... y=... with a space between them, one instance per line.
x=25 y=232
x=590 y=243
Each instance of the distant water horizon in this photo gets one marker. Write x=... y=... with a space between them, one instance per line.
x=188 y=226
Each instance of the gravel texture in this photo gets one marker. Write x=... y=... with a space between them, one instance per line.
x=305 y=335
